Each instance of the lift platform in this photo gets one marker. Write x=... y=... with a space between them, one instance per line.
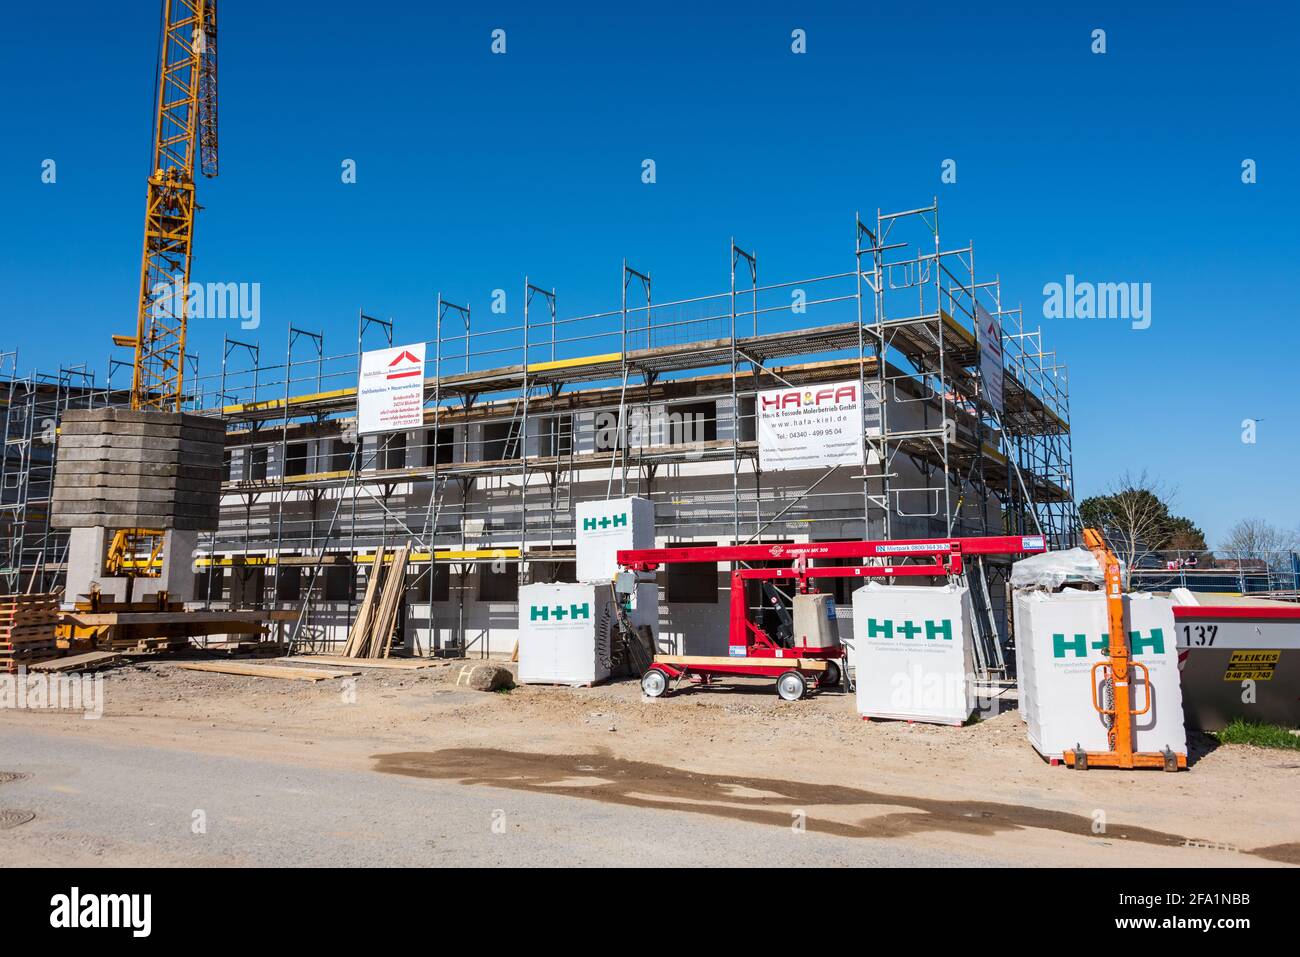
x=797 y=665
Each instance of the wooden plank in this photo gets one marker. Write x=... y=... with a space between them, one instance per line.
x=265 y=671
x=803 y=664
x=91 y=659
x=395 y=593
x=359 y=636
x=382 y=607
x=379 y=616
x=89 y=619
x=397 y=664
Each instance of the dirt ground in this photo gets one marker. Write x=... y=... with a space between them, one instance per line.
x=735 y=752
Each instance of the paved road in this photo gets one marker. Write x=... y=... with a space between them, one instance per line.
x=97 y=803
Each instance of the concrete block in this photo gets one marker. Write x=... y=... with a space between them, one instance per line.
x=153 y=417
x=141 y=457
x=107 y=480
x=86 y=415
x=83 y=430
x=87 y=547
x=143 y=516
x=86 y=552
x=124 y=444
x=117 y=454
x=114 y=589
x=149 y=470
x=69 y=480
x=123 y=415
x=206 y=524
x=209 y=451
x=199 y=508
x=120 y=498
x=192 y=420
x=133 y=505
x=125 y=468
x=178 y=563
x=210 y=498
x=109 y=520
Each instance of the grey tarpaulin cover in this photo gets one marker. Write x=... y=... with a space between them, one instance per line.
x=1051 y=570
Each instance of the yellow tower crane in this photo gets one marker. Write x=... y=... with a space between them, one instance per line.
x=184 y=129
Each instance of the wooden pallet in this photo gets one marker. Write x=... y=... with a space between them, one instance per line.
x=11 y=603
x=24 y=647
x=10 y=666
x=27 y=626
x=148 y=645
x=18 y=635
x=14 y=616
x=9 y=620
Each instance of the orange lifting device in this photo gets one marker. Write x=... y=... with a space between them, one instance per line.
x=1117 y=673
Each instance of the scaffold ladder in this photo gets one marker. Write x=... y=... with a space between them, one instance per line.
x=988 y=643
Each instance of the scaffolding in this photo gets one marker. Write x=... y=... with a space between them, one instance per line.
x=32 y=551
x=529 y=411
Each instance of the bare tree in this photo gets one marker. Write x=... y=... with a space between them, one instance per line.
x=1254 y=538
x=1133 y=514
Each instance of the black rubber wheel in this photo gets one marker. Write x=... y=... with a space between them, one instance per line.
x=831 y=677
x=791 y=686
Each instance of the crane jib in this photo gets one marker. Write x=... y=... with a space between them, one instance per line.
x=185 y=135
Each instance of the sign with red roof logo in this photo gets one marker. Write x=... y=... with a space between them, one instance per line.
x=390 y=391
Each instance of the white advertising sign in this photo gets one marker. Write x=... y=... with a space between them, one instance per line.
x=989 y=334
x=813 y=427
x=390 y=392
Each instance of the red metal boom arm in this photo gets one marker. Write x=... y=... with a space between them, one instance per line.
x=649 y=559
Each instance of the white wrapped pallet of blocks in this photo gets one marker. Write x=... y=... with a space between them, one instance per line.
x=912 y=652
x=1049 y=571
x=1059 y=637
x=604 y=527
x=563 y=636
x=566 y=630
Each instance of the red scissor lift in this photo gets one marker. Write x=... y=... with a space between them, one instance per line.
x=752 y=652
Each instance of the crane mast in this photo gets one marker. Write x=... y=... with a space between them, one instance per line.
x=185 y=129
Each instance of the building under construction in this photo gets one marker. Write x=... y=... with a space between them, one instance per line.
x=529 y=411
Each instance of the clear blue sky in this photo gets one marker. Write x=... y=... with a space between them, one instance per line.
x=474 y=169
